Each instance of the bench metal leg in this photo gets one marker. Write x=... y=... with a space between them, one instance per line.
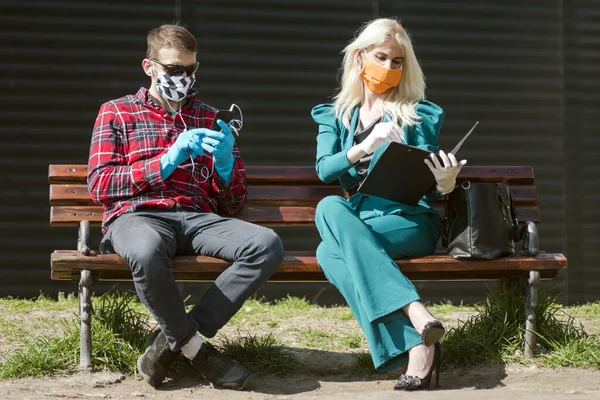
x=83 y=238
x=85 y=306
x=530 y=303
x=85 y=315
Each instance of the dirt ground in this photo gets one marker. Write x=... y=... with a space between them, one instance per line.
x=481 y=383
x=492 y=382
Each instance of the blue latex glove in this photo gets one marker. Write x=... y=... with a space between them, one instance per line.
x=188 y=143
x=220 y=145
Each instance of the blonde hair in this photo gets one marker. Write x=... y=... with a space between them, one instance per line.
x=398 y=102
x=170 y=36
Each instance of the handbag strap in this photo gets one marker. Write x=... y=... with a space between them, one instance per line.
x=450 y=213
x=515 y=220
x=503 y=197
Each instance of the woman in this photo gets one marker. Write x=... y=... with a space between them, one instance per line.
x=381 y=99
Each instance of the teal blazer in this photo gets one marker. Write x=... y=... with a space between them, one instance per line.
x=334 y=140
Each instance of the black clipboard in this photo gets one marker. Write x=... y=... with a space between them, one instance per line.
x=401 y=175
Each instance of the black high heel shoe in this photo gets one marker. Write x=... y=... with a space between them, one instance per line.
x=432 y=332
x=410 y=383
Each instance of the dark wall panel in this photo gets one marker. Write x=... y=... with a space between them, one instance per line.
x=501 y=63
x=582 y=83
x=60 y=61
x=276 y=60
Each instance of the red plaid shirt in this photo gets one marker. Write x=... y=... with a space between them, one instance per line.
x=130 y=135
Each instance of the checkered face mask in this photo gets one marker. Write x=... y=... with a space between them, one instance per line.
x=174 y=88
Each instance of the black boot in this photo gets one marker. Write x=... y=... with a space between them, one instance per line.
x=219 y=368
x=154 y=364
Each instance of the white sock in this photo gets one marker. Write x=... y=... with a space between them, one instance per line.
x=191 y=348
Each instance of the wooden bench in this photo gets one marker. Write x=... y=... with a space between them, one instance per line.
x=287 y=196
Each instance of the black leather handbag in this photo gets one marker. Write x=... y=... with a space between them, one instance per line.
x=480 y=222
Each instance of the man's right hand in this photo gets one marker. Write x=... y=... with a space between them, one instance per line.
x=188 y=143
x=383 y=132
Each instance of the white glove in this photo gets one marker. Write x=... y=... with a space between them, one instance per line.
x=445 y=175
x=382 y=133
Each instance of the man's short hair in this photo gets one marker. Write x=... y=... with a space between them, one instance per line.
x=170 y=36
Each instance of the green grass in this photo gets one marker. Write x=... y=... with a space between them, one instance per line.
x=42 y=356
x=589 y=311
x=261 y=354
x=118 y=336
x=345 y=314
x=251 y=311
x=496 y=332
x=258 y=311
x=581 y=353
x=323 y=340
x=120 y=315
x=60 y=355
x=49 y=338
x=41 y=303
x=316 y=338
x=352 y=340
x=11 y=330
x=447 y=307
x=293 y=304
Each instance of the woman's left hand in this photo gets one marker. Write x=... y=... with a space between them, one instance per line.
x=445 y=175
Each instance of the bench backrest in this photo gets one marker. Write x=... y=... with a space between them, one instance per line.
x=277 y=195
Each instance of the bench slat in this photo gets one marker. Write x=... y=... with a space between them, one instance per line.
x=272 y=216
x=300 y=175
x=264 y=215
x=77 y=195
x=74 y=195
x=299 y=266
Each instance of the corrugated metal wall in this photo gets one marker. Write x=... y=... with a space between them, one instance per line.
x=582 y=84
x=60 y=61
x=497 y=62
x=276 y=60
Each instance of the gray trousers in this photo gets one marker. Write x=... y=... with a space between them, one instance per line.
x=149 y=239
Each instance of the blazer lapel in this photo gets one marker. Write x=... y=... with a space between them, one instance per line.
x=378 y=152
x=349 y=141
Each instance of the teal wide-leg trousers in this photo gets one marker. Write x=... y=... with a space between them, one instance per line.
x=356 y=255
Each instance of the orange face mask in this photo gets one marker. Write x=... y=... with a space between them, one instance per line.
x=378 y=78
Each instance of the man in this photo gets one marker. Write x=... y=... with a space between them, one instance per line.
x=162 y=175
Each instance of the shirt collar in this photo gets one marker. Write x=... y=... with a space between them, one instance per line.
x=144 y=97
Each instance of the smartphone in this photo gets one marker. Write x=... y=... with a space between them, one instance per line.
x=224 y=115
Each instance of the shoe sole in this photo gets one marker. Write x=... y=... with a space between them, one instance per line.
x=234 y=386
x=433 y=335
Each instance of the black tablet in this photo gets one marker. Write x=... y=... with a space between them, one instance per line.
x=400 y=175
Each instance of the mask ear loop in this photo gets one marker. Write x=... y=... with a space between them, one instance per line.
x=203 y=170
x=204 y=173
x=236 y=125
